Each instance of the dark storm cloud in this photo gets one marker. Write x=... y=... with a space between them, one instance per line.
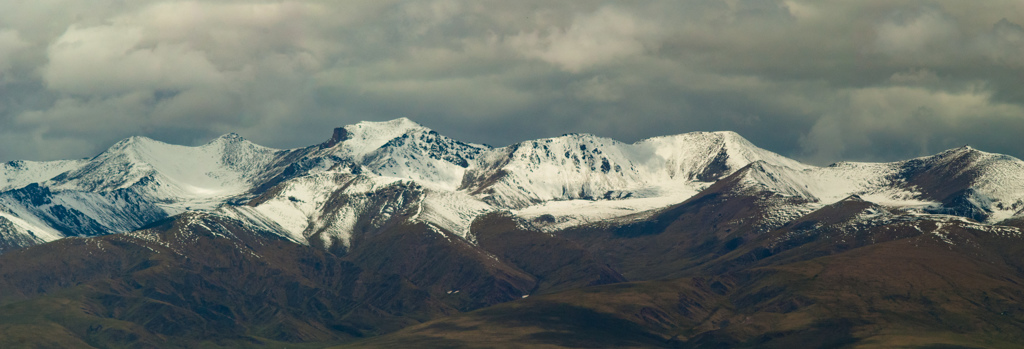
x=819 y=81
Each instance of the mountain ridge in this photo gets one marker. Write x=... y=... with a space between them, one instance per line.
x=552 y=176
x=390 y=229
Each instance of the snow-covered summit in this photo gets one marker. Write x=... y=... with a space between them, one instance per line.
x=572 y=166
x=962 y=181
x=171 y=173
x=359 y=140
x=967 y=178
x=19 y=173
x=229 y=138
x=582 y=166
x=763 y=176
x=401 y=148
x=707 y=156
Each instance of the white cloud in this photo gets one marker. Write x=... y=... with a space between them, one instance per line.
x=802 y=9
x=604 y=36
x=236 y=34
x=109 y=60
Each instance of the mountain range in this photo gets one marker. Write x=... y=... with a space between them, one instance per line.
x=389 y=234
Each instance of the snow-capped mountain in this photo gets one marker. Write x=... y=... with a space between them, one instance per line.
x=372 y=174
x=203 y=176
x=963 y=182
x=401 y=148
x=588 y=167
x=390 y=224
x=330 y=207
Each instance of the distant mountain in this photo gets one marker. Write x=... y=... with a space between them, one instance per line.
x=693 y=240
x=139 y=180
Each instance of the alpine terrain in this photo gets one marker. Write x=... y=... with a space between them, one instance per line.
x=389 y=234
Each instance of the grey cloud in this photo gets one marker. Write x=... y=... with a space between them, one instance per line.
x=1004 y=44
x=819 y=81
x=10 y=45
x=917 y=35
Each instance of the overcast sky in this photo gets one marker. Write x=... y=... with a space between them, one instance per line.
x=818 y=81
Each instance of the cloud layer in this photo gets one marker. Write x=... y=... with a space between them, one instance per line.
x=820 y=81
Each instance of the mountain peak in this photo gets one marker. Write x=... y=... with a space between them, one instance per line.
x=229 y=137
x=853 y=197
x=763 y=175
x=130 y=143
x=381 y=130
x=965 y=149
x=364 y=137
x=399 y=124
x=232 y=141
x=963 y=156
x=728 y=135
x=137 y=139
x=340 y=134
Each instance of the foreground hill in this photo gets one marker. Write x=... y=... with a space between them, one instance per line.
x=931 y=282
